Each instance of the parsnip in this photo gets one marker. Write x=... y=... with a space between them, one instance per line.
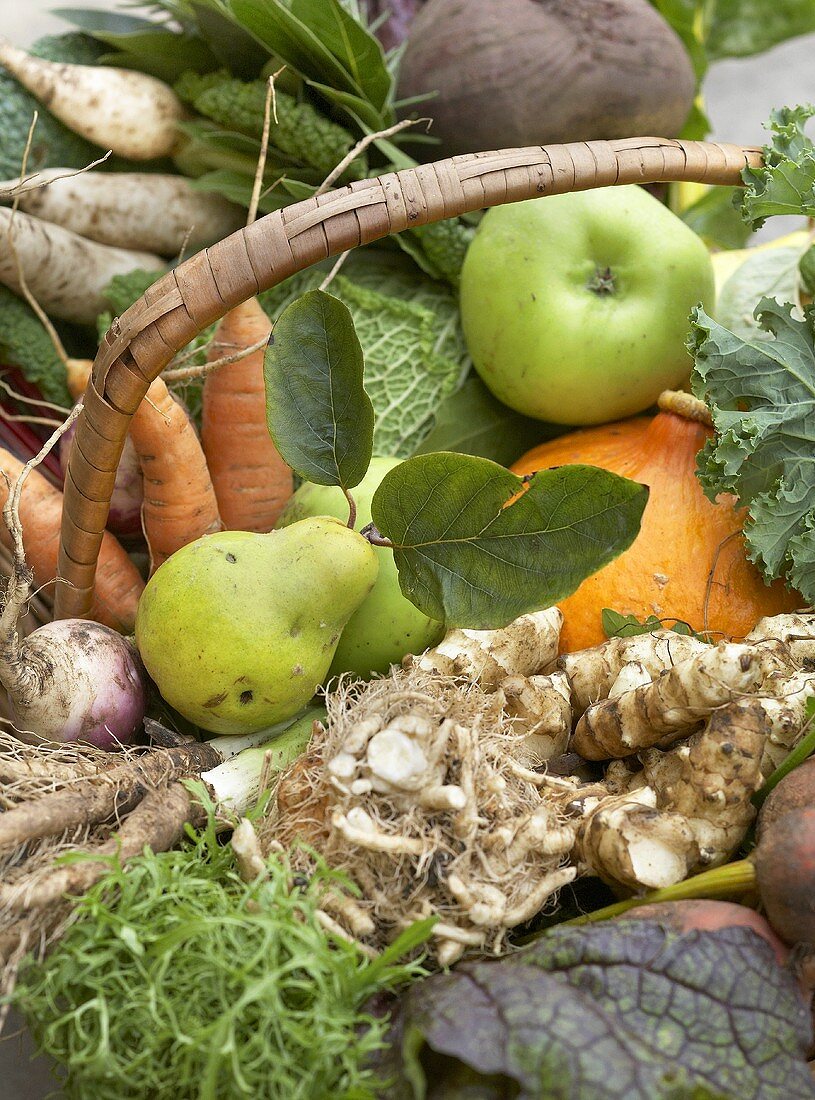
x=152 y=212
x=131 y=113
x=65 y=272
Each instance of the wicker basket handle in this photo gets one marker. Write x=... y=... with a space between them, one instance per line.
x=141 y=342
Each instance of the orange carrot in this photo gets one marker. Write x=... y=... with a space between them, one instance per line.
x=118 y=584
x=252 y=482
x=179 y=501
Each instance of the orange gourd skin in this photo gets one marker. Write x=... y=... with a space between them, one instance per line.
x=684 y=538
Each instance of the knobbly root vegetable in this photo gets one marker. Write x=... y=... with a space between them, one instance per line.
x=144 y=211
x=118 y=583
x=252 y=482
x=131 y=113
x=797 y=631
x=593 y=672
x=507 y=662
x=412 y=790
x=179 y=500
x=66 y=273
x=677 y=701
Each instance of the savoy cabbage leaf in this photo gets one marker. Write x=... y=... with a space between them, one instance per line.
x=761 y=394
x=411 y=338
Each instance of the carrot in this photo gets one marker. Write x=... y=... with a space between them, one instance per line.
x=118 y=584
x=179 y=501
x=252 y=482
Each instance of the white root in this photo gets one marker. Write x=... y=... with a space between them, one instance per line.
x=66 y=273
x=592 y=672
x=149 y=212
x=527 y=646
x=129 y=112
x=675 y=702
x=248 y=854
x=541 y=707
x=796 y=630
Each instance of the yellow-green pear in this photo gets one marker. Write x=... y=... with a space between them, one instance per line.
x=386 y=626
x=239 y=629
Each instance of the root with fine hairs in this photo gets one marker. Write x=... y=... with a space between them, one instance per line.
x=414 y=792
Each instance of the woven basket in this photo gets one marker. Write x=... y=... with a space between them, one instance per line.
x=141 y=342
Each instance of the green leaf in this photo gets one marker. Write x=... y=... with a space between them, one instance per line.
x=473 y=422
x=274 y=24
x=616 y=625
x=715 y=218
x=786 y=182
x=806 y=271
x=761 y=394
x=318 y=412
x=620 y=1009
x=353 y=46
x=410 y=332
x=353 y=105
x=741 y=28
x=468 y=557
x=768 y=273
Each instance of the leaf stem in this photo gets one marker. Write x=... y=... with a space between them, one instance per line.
x=352 y=509
x=374 y=537
x=732 y=880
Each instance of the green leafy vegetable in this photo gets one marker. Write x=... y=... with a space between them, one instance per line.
x=297 y=129
x=319 y=415
x=473 y=422
x=24 y=343
x=616 y=625
x=410 y=332
x=180 y=980
x=761 y=394
x=741 y=28
x=806 y=271
x=768 y=273
x=786 y=182
x=623 y=1008
x=468 y=558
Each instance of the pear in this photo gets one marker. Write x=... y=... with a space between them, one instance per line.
x=239 y=629
x=386 y=626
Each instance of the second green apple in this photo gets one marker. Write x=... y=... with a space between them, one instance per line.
x=386 y=626
x=575 y=307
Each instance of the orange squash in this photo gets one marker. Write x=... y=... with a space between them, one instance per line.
x=688 y=561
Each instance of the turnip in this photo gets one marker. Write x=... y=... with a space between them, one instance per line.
x=66 y=273
x=531 y=72
x=69 y=680
x=131 y=113
x=157 y=213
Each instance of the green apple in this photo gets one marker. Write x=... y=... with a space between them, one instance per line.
x=386 y=626
x=575 y=307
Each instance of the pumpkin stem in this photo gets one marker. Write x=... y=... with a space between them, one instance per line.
x=685 y=405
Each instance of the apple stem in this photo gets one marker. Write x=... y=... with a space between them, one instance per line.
x=374 y=537
x=352 y=509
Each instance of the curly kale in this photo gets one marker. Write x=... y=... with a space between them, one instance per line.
x=298 y=129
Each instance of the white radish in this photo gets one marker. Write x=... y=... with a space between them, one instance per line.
x=158 y=213
x=65 y=272
x=131 y=113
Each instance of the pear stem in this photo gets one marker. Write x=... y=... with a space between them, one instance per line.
x=374 y=537
x=352 y=509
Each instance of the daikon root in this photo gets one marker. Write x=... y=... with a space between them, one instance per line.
x=677 y=701
x=413 y=791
